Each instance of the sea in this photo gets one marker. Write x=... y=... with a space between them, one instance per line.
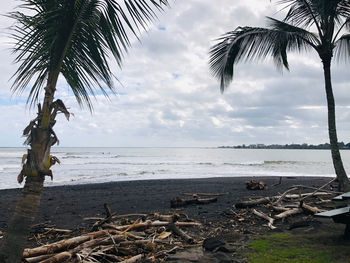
x=97 y=165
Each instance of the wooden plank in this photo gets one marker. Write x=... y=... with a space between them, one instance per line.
x=334 y=212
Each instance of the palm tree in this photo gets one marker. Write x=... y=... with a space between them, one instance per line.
x=329 y=18
x=69 y=38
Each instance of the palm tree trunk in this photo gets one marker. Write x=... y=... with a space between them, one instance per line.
x=37 y=165
x=344 y=184
x=19 y=225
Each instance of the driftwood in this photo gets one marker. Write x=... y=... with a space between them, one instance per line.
x=60 y=257
x=318 y=189
x=149 y=223
x=256 y=185
x=114 y=217
x=289 y=212
x=179 y=232
x=278 y=208
x=58 y=230
x=133 y=259
x=312 y=209
x=38 y=258
x=143 y=239
x=178 y=202
x=266 y=217
x=61 y=245
x=280 y=198
x=251 y=203
x=204 y=194
x=279 y=182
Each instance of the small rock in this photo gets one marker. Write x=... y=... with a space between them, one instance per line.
x=212 y=243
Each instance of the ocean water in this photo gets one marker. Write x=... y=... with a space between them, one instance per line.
x=95 y=165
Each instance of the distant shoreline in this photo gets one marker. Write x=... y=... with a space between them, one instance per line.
x=304 y=146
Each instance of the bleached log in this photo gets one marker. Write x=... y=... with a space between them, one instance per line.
x=114 y=217
x=133 y=259
x=280 y=198
x=149 y=223
x=37 y=259
x=180 y=233
x=58 y=230
x=250 y=203
x=178 y=202
x=61 y=245
x=290 y=212
x=311 y=209
x=266 y=217
x=293 y=196
x=278 y=208
x=60 y=257
x=204 y=194
x=66 y=255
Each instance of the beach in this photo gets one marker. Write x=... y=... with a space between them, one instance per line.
x=66 y=206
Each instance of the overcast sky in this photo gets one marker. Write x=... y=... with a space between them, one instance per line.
x=169 y=97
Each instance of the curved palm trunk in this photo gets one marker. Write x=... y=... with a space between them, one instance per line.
x=37 y=165
x=344 y=184
x=19 y=225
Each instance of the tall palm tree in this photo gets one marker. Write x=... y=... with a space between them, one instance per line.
x=331 y=21
x=74 y=39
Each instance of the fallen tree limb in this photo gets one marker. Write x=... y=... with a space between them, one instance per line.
x=58 y=230
x=278 y=208
x=318 y=189
x=313 y=210
x=290 y=212
x=280 y=198
x=38 y=258
x=148 y=224
x=114 y=217
x=293 y=196
x=178 y=202
x=180 y=233
x=133 y=259
x=61 y=245
x=60 y=257
x=204 y=194
x=66 y=255
x=250 y=203
x=266 y=217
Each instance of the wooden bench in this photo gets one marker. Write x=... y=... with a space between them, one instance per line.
x=339 y=215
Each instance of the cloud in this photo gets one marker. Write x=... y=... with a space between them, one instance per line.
x=169 y=98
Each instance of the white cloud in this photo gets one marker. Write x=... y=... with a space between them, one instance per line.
x=169 y=97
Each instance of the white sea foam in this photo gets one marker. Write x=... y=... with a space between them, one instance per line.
x=94 y=165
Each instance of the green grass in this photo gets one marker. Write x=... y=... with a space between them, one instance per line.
x=286 y=247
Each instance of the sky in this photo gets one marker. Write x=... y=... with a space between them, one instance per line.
x=168 y=96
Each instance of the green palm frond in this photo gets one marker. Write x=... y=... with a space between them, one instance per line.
x=76 y=38
x=252 y=43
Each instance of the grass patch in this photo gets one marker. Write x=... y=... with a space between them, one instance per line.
x=286 y=247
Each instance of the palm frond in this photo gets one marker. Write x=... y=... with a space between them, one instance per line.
x=322 y=13
x=303 y=13
x=342 y=48
x=252 y=43
x=75 y=38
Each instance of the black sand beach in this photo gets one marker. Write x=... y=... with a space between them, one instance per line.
x=66 y=206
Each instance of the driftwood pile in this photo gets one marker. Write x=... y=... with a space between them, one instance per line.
x=117 y=238
x=294 y=201
x=256 y=185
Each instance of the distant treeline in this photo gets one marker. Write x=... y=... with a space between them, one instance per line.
x=323 y=146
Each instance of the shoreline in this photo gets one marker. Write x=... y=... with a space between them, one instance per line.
x=66 y=206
